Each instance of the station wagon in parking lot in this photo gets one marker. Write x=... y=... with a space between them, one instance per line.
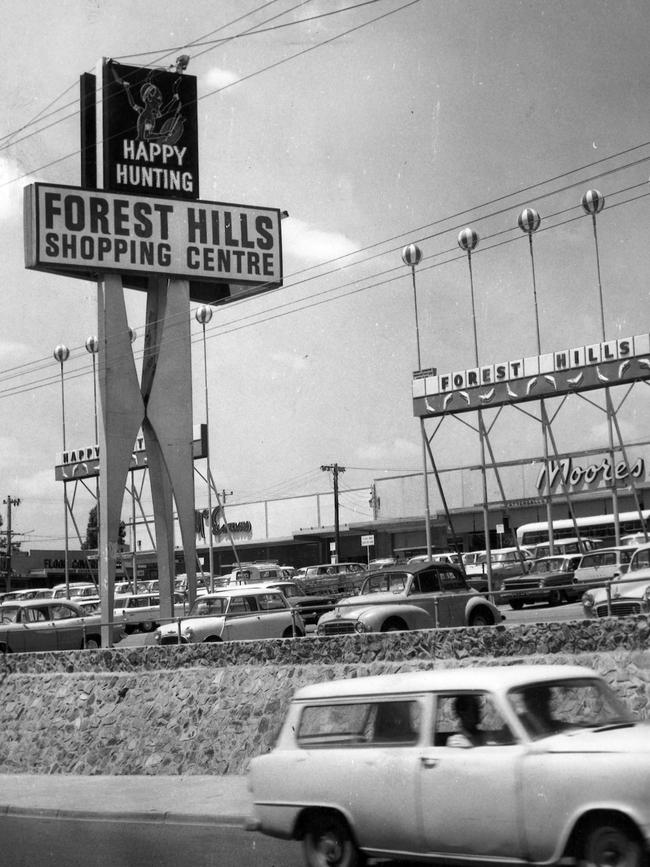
x=421 y=596
x=603 y=564
x=552 y=770
x=235 y=614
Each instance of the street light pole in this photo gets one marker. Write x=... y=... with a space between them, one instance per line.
x=203 y=316
x=61 y=353
x=9 y=502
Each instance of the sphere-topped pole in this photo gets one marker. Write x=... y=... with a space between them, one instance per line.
x=412 y=256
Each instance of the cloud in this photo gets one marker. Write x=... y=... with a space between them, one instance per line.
x=311 y=244
x=216 y=78
x=400 y=453
x=11 y=190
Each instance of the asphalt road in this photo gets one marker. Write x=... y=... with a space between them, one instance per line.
x=32 y=841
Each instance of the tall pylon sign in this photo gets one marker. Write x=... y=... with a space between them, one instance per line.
x=137 y=223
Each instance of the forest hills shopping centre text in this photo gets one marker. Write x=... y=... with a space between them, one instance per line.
x=131 y=233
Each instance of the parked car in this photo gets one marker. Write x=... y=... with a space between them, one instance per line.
x=49 y=624
x=441 y=557
x=422 y=596
x=549 y=579
x=504 y=563
x=27 y=593
x=331 y=577
x=603 y=564
x=374 y=767
x=573 y=545
x=74 y=590
x=626 y=594
x=310 y=607
x=235 y=614
x=141 y=611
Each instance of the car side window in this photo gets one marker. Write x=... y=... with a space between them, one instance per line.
x=427 y=581
x=608 y=559
x=367 y=723
x=469 y=720
x=270 y=601
x=242 y=605
x=34 y=615
x=451 y=580
x=61 y=612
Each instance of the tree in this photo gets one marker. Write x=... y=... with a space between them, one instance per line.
x=90 y=542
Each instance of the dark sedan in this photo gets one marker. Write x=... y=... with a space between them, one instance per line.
x=549 y=579
x=49 y=624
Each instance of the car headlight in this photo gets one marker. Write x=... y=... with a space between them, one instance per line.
x=646 y=594
x=587 y=600
x=360 y=627
x=157 y=636
x=188 y=633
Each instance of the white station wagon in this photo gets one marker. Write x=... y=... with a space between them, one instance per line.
x=517 y=764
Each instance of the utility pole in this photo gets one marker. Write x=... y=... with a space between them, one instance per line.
x=335 y=469
x=9 y=502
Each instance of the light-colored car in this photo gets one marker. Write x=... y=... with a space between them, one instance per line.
x=379 y=767
x=49 y=624
x=626 y=594
x=141 y=611
x=74 y=590
x=440 y=557
x=423 y=596
x=602 y=565
x=504 y=563
x=549 y=579
x=235 y=614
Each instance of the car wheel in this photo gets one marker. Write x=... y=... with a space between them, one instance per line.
x=394 y=624
x=516 y=604
x=91 y=642
x=212 y=639
x=328 y=842
x=611 y=843
x=147 y=626
x=556 y=597
x=481 y=617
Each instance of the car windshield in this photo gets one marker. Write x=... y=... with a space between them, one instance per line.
x=560 y=706
x=206 y=605
x=550 y=564
x=388 y=583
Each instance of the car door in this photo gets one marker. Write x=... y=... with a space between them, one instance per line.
x=470 y=796
x=67 y=625
x=242 y=619
x=274 y=614
x=36 y=631
x=454 y=596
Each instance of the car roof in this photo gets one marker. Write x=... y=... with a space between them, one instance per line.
x=31 y=603
x=499 y=677
x=240 y=590
x=615 y=548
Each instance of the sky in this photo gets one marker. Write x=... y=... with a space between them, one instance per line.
x=374 y=125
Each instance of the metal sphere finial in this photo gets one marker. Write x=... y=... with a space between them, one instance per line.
x=92 y=344
x=133 y=334
x=203 y=314
x=411 y=255
x=61 y=353
x=468 y=239
x=593 y=202
x=529 y=220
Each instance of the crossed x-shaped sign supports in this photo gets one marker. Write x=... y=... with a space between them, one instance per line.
x=161 y=405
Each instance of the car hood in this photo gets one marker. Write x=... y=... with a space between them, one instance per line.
x=622 y=590
x=626 y=738
x=526 y=576
x=191 y=622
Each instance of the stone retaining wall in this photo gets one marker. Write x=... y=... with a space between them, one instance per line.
x=205 y=709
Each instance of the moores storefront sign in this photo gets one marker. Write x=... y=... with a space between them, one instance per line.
x=577 y=477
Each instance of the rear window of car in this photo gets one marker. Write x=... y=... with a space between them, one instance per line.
x=641 y=560
x=371 y=722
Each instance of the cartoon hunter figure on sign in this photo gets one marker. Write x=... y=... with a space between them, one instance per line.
x=156 y=122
